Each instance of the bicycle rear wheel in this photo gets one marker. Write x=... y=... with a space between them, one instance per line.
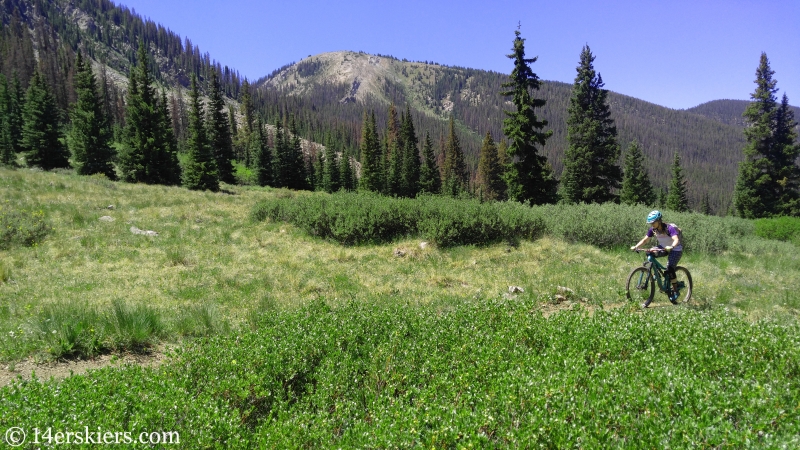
x=639 y=286
x=684 y=284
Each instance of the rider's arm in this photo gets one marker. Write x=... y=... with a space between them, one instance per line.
x=644 y=239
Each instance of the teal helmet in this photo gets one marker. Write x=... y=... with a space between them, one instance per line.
x=653 y=216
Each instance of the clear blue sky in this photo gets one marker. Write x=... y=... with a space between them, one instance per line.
x=675 y=53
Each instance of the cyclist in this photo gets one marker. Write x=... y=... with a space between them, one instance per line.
x=669 y=239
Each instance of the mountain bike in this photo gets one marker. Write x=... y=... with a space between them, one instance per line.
x=642 y=281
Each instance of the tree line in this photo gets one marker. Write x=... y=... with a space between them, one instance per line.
x=161 y=139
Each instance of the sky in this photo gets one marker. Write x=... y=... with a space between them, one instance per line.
x=674 y=53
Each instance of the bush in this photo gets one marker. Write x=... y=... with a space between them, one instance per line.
x=779 y=228
x=367 y=218
x=21 y=227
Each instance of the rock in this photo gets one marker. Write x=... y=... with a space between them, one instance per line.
x=565 y=291
x=110 y=207
x=423 y=244
x=515 y=289
x=135 y=230
x=106 y=219
x=399 y=252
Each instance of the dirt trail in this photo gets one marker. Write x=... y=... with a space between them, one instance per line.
x=59 y=370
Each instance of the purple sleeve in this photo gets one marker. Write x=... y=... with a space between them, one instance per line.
x=672 y=230
x=650 y=232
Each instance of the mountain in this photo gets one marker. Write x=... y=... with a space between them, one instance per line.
x=339 y=86
x=728 y=111
x=329 y=93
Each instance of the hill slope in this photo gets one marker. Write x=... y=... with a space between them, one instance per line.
x=339 y=86
x=329 y=93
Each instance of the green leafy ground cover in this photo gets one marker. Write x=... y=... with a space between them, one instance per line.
x=289 y=340
x=451 y=374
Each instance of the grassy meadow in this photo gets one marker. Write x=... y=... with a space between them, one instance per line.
x=286 y=339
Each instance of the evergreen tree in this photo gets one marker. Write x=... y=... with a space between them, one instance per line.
x=16 y=106
x=263 y=156
x=705 y=206
x=90 y=135
x=298 y=176
x=371 y=173
x=40 y=129
x=768 y=176
x=246 y=100
x=138 y=157
x=591 y=171
x=346 y=176
x=200 y=172
x=678 y=196
x=394 y=154
x=430 y=179
x=636 y=186
x=787 y=150
x=411 y=163
x=330 y=171
x=7 y=154
x=490 y=185
x=455 y=177
x=167 y=169
x=219 y=131
x=529 y=177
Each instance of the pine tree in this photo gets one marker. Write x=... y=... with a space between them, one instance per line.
x=489 y=181
x=246 y=100
x=346 y=176
x=430 y=179
x=456 y=177
x=787 y=150
x=138 y=157
x=705 y=206
x=7 y=154
x=16 y=106
x=200 y=172
x=298 y=176
x=636 y=186
x=591 y=171
x=529 y=177
x=678 y=196
x=768 y=176
x=411 y=163
x=330 y=171
x=40 y=130
x=263 y=155
x=371 y=167
x=219 y=131
x=394 y=154
x=90 y=136
x=167 y=169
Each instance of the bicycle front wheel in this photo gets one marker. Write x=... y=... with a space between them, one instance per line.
x=684 y=284
x=640 y=287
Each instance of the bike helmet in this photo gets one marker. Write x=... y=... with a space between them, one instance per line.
x=653 y=216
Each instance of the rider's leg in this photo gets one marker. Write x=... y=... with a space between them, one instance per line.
x=672 y=262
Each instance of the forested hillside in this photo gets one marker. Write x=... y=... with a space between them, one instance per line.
x=326 y=89
x=326 y=96
x=727 y=111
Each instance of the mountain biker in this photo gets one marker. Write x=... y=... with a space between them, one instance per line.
x=669 y=239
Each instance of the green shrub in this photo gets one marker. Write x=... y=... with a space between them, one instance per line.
x=366 y=218
x=779 y=228
x=21 y=227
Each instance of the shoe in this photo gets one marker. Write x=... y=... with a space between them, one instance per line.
x=674 y=297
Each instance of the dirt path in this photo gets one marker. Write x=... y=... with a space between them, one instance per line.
x=59 y=370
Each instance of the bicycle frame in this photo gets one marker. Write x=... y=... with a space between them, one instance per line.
x=655 y=271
